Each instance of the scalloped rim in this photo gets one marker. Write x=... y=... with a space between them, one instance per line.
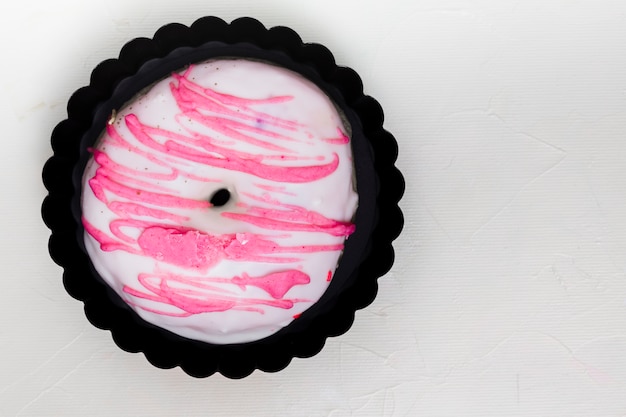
x=103 y=307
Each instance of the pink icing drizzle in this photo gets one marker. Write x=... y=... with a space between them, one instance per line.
x=143 y=202
x=193 y=299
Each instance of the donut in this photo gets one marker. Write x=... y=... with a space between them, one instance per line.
x=217 y=202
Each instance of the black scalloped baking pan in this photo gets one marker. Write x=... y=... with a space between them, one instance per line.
x=368 y=254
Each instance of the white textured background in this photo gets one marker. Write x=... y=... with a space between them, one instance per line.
x=508 y=295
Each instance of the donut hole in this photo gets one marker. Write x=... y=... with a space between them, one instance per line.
x=220 y=198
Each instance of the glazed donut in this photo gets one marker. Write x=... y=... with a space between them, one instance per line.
x=217 y=202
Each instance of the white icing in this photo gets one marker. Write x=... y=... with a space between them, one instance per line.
x=305 y=118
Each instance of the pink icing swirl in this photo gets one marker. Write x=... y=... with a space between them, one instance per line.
x=151 y=211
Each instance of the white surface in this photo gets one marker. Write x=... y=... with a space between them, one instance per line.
x=508 y=296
